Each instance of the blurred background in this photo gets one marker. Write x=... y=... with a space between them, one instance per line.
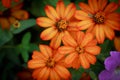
x=19 y=37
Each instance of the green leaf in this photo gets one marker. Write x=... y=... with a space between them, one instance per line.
x=76 y=74
x=24 y=51
x=97 y=67
x=25 y=24
x=25 y=56
x=5 y=36
x=24 y=47
x=106 y=47
x=114 y=1
x=26 y=38
x=93 y=75
x=33 y=47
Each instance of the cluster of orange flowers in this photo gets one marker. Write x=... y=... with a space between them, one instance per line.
x=70 y=46
x=12 y=16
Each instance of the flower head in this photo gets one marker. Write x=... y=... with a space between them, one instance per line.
x=79 y=49
x=57 y=22
x=48 y=64
x=112 y=67
x=100 y=20
x=12 y=16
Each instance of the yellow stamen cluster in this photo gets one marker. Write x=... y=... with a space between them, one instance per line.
x=50 y=63
x=79 y=49
x=99 y=17
x=62 y=25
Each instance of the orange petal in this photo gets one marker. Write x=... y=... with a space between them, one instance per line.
x=81 y=15
x=117 y=43
x=54 y=75
x=85 y=7
x=88 y=37
x=94 y=50
x=12 y=20
x=80 y=36
x=4 y=23
x=36 y=72
x=46 y=50
x=114 y=17
x=93 y=4
x=20 y=14
x=90 y=29
x=68 y=40
x=73 y=27
x=90 y=58
x=109 y=32
x=44 y=22
x=111 y=7
x=6 y=3
x=73 y=34
x=84 y=62
x=44 y=74
x=38 y=55
x=58 y=57
x=103 y=3
x=92 y=43
x=76 y=63
x=69 y=11
x=100 y=35
x=70 y=58
x=51 y=13
x=17 y=7
x=60 y=8
x=56 y=41
x=36 y=63
x=62 y=72
x=82 y=25
x=49 y=33
x=66 y=49
x=113 y=24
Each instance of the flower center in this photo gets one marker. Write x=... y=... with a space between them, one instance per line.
x=99 y=17
x=16 y=24
x=50 y=63
x=62 y=25
x=80 y=49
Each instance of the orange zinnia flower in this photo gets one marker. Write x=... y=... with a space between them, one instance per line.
x=57 y=23
x=12 y=16
x=48 y=65
x=99 y=18
x=79 y=50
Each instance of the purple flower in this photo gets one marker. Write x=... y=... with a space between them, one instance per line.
x=112 y=67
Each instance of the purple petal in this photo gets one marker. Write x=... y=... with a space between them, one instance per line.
x=105 y=75
x=110 y=63
x=115 y=55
